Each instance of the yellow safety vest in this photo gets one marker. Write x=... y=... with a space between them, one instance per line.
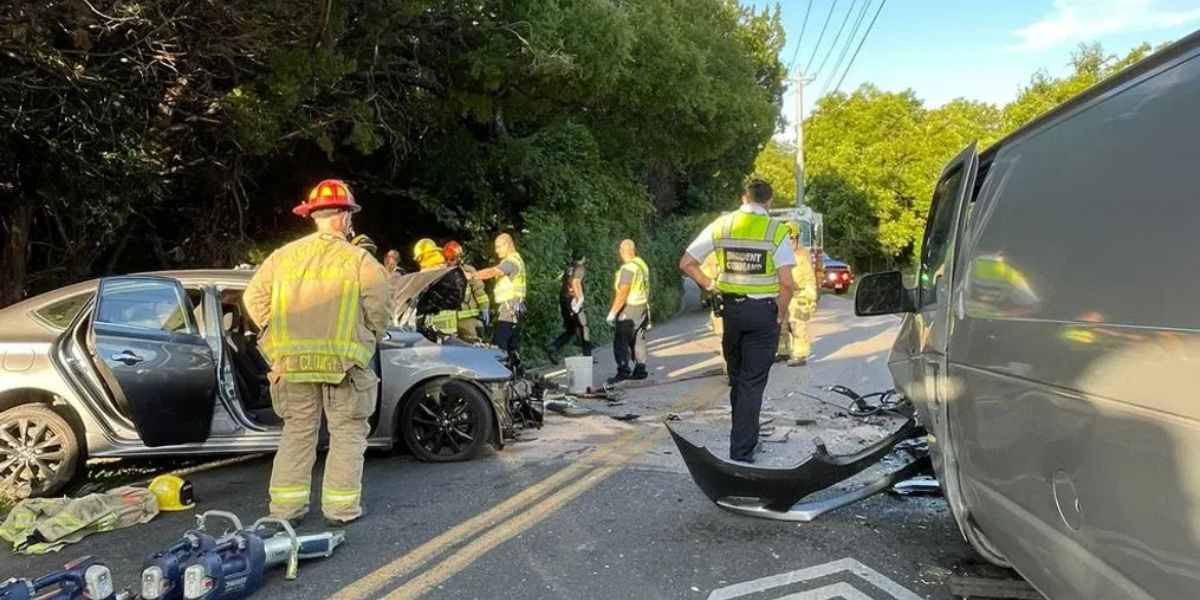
x=745 y=246
x=315 y=311
x=511 y=288
x=639 y=285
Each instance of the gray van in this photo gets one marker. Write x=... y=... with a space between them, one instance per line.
x=1052 y=342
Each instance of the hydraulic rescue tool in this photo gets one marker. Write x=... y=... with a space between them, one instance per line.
x=162 y=574
x=84 y=578
x=234 y=565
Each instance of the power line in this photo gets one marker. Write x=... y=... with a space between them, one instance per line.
x=800 y=37
x=834 y=43
x=860 y=46
x=817 y=46
x=837 y=66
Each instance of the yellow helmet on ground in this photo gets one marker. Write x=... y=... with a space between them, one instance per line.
x=173 y=493
x=427 y=254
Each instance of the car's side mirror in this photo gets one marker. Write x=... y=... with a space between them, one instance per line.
x=883 y=294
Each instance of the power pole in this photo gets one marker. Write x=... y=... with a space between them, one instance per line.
x=799 y=82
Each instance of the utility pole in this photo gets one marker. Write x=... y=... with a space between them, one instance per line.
x=799 y=82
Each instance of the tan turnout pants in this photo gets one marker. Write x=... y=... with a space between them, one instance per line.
x=797 y=344
x=346 y=407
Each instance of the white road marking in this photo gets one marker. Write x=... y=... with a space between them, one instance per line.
x=842 y=591
x=839 y=590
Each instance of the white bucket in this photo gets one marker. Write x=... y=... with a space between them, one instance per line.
x=579 y=371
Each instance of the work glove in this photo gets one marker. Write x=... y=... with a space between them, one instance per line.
x=487 y=316
x=576 y=305
x=612 y=319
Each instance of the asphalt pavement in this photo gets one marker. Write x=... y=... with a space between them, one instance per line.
x=596 y=507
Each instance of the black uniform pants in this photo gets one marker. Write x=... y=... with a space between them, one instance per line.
x=506 y=335
x=574 y=324
x=629 y=340
x=749 y=342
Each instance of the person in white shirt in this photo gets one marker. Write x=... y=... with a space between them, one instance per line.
x=754 y=285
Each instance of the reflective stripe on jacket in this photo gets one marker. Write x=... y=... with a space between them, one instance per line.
x=325 y=305
x=511 y=288
x=745 y=247
x=639 y=283
x=476 y=298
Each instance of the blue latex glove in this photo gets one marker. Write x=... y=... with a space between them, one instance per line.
x=487 y=316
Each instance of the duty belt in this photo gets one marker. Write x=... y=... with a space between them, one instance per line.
x=740 y=298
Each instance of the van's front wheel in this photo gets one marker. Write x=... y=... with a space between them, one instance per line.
x=446 y=420
x=39 y=452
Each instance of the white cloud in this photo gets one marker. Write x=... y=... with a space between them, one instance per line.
x=1071 y=21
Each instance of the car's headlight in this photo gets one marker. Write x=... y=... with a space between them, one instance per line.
x=98 y=582
x=196 y=582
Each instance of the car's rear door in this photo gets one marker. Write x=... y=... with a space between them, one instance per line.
x=151 y=354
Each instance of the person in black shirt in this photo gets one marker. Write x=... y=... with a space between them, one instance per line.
x=570 y=304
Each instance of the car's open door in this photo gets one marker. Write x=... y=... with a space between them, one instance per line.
x=149 y=351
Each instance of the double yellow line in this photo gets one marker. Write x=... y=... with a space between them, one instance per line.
x=497 y=525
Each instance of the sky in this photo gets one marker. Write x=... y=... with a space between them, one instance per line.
x=976 y=49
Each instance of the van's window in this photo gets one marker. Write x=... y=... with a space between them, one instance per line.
x=938 y=235
x=60 y=314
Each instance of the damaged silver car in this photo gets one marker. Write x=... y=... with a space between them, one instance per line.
x=168 y=364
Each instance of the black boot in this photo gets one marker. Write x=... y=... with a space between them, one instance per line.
x=639 y=372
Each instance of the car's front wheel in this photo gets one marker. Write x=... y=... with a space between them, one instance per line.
x=446 y=420
x=39 y=452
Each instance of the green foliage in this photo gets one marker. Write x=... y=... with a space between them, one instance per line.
x=873 y=157
x=776 y=164
x=571 y=123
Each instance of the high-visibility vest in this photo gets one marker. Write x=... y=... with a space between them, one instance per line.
x=639 y=284
x=745 y=246
x=511 y=288
x=311 y=335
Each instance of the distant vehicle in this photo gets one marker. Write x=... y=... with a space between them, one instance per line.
x=1060 y=395
x=168 y=365
x=838 y=275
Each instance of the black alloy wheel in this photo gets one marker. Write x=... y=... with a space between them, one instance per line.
x=446 y=420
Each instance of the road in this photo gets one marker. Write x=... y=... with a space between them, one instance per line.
x=600 y=508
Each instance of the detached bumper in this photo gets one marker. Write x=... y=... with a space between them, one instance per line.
x=777 y=493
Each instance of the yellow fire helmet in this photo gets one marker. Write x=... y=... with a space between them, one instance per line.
x=173 y=493
x=794 y=226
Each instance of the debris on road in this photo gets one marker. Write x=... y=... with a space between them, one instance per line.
x=980 y=587
x=924 y=485
x=774 y=493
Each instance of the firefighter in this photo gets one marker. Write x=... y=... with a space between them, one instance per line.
x=509 y=293
x=795 y=346
x=755 y=286
x=630 y=313
x=428 y=256
x=475 y=312
x=324 y=304
x=366 y=243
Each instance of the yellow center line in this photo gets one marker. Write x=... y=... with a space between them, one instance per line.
x=511 y=528
x=418 y=557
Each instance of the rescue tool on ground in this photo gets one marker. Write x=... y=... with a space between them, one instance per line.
x=234 y=565
x=84 y=578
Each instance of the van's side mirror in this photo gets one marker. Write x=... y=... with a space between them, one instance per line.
x=883 y=294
